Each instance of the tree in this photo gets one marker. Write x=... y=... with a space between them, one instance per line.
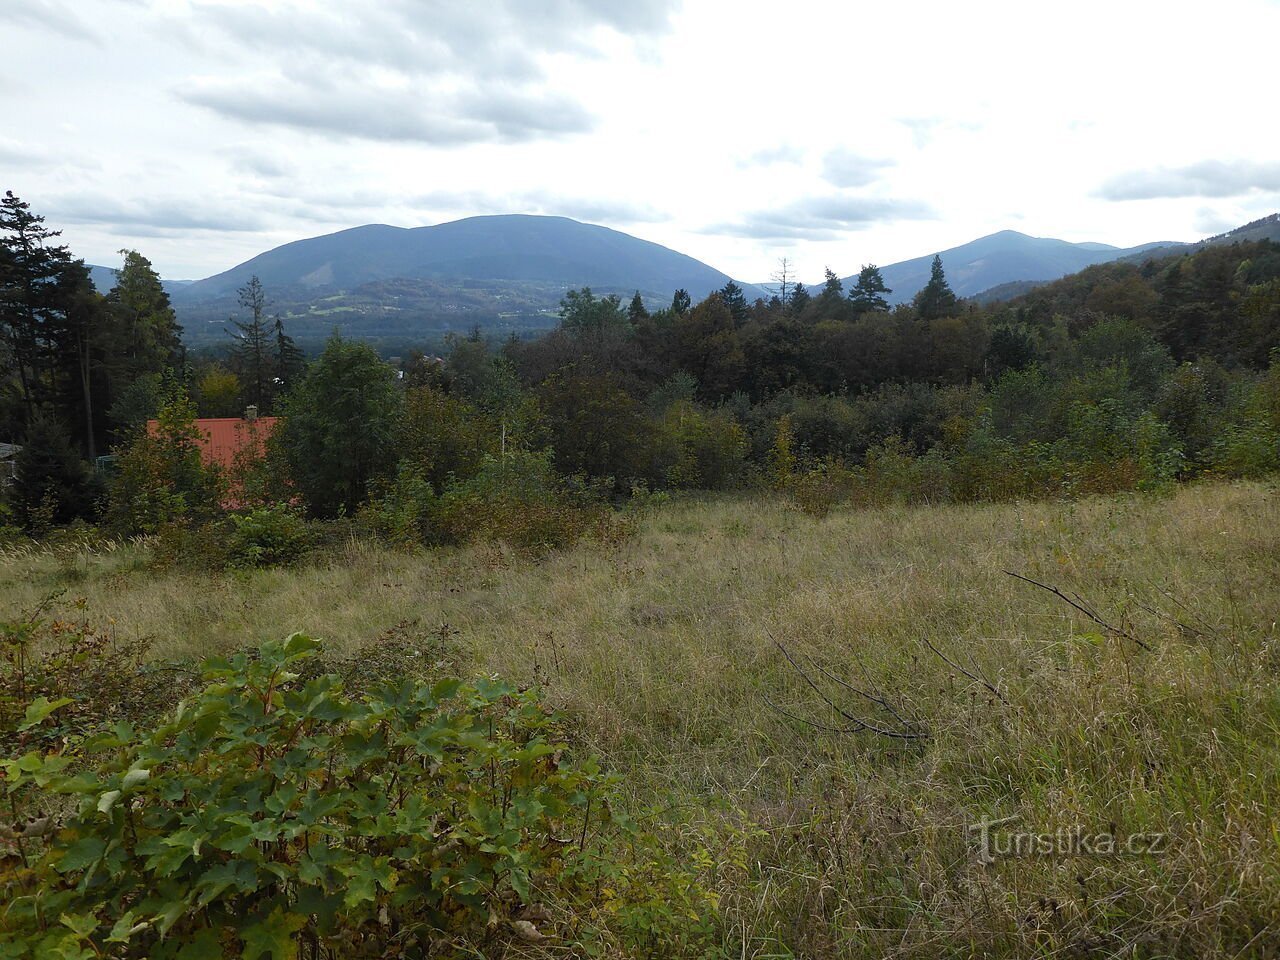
x=288 y=361
x=145 y=336
x=252 y=352
x=52 y=484
x=218 y=392
x=49 y=317
x=29 y=272
x=736 y=301
x=637 y=312
x=681 y=301
x=583 y=314
x=339 y=427
x=869 y=292
x=799 y=299
x=161 y=476
x=936 y=298
x=785 y=280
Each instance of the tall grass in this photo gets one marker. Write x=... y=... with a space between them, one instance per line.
x=667 y=649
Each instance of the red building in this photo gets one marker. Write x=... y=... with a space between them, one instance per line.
x=228 y=442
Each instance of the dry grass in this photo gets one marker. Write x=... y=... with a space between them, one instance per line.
x=663 y=651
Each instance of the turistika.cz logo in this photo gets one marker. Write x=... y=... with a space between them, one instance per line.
x=995 y=843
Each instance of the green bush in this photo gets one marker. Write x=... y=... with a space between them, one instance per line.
x=161 y=478
x=269 y=536
x=271 y=812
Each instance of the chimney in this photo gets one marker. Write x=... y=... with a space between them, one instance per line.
x=251 y=412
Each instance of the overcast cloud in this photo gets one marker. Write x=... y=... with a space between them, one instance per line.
x=1211 y=178
x=205 y=131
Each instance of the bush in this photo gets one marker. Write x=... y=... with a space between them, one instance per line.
x=270 y=536
x=270 y=812
x=161 y=478
x=520 y=500
x=52 y=484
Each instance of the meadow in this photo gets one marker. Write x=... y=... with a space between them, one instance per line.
x=819 y=710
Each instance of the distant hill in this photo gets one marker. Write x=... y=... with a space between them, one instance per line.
x=1007 y=257
x=513 y=248
x=398 y=286
x=1267 y=228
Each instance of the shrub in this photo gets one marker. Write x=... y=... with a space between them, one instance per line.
x=271 y=811
x=161 y=478
x=269 y=536
x=519 y=499
x=52 y=484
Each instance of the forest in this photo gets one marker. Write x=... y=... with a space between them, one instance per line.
x=1122 y=377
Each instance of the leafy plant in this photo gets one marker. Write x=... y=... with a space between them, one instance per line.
x=272 y=814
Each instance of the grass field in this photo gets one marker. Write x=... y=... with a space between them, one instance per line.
x=670 y=654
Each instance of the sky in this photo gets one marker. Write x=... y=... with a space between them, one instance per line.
x=202 y=132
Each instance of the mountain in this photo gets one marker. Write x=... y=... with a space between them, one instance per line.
x=1007 y=257
x=1265 y=228
x=512 y=248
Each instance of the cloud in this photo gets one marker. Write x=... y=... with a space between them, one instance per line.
x=823 y=218
x=590 y=209
x=50 y=15
x=387 y=113
x=20 y=155
x=435 y=72
x=1209 y=178
x=767 y=156
x=843 y=168
x=152 y=216
x=1210 y=221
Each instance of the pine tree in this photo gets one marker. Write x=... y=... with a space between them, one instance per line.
x=145 y=334
x=868 y=294
x=681 y=302
x=800 y=299
x=736 y=301
x=30 y=269
x=637 y=312
x=289 y=361
x=49 y=321
x=936 y=299
x=253 y=350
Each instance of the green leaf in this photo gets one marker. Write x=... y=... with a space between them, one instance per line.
x=83 y=853
x=125 y=928
x=135 y=777
x=108 y=800
x=79 y=924
x=39 y=709
x=203 y=946
x=273 y=937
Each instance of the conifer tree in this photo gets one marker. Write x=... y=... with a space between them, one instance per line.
x=869 y=292
x=636 y=311
x=936 y=298
x=253 y=350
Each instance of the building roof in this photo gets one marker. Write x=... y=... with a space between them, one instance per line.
x=225 y=437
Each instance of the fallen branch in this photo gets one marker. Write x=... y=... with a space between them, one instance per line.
x=976 y=674
x=1079 y=604
x=857 y=724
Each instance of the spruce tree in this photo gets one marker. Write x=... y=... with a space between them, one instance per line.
x=936 y=298
x=736 y=301
x=252 y=352
x=288 y=360
x=636 y=311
